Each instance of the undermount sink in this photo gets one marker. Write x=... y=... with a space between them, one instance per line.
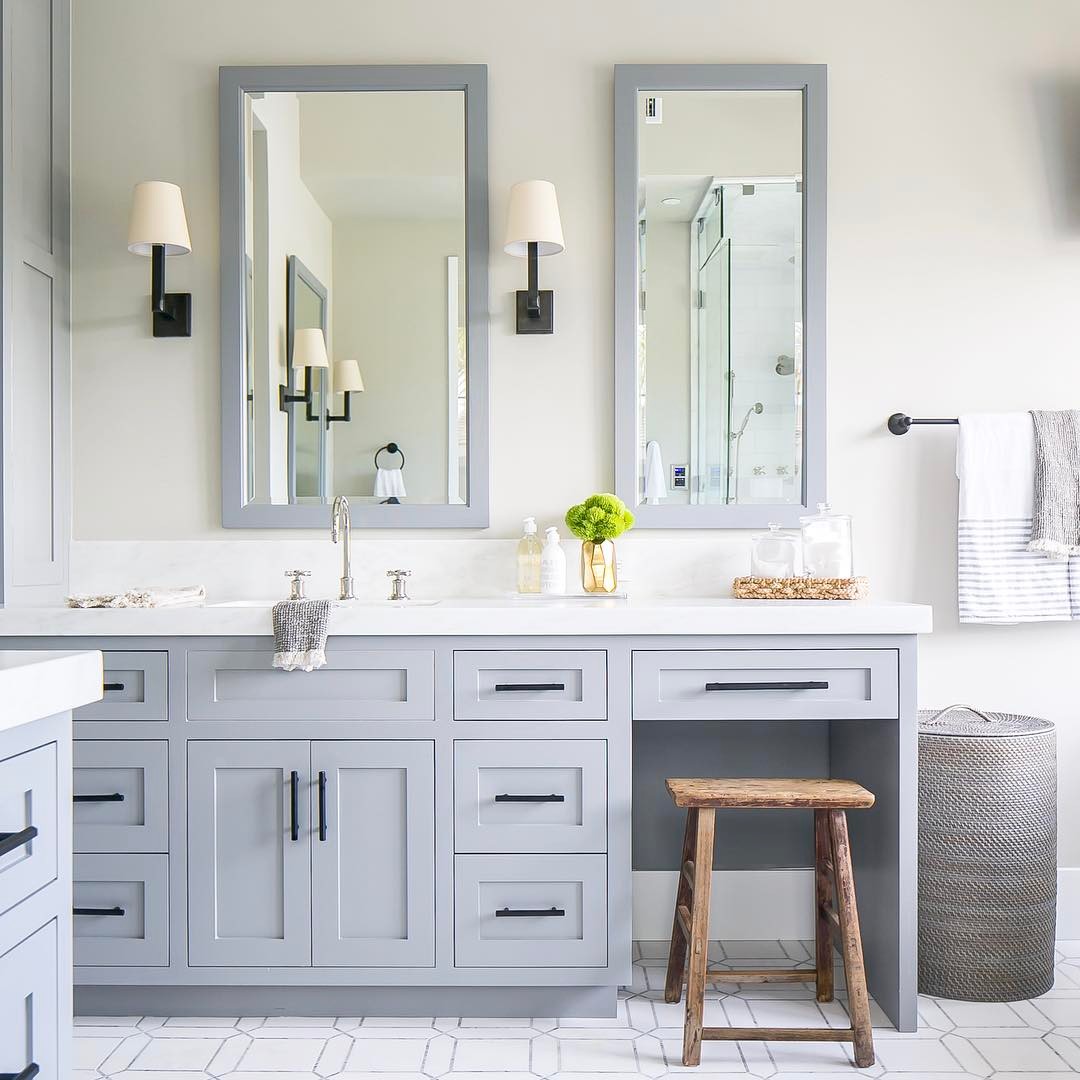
x=339 y=603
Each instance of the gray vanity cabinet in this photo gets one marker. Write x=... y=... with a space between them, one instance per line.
x=249 y=869
x=311 y=853
x=373 y=854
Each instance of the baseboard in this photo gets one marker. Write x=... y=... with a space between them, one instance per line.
x=747 y=905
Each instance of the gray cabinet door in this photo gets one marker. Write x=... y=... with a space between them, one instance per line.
x=249 y=871
x=373 y=876
x=29 y=1006
x=28 y=815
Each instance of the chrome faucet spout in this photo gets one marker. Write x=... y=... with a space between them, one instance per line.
x=341 y=528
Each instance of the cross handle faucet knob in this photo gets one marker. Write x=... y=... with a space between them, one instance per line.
x=296 y=589
x=397 y=588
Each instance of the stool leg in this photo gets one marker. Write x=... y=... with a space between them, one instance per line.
x=848 y=912
x=699 y=936
x=676 y=965
x=822 y=896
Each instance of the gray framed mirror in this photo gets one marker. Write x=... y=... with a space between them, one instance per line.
x=720 y=202
x=354 y=295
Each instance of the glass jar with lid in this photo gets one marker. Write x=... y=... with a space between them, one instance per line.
x=826 y=544
x=775 y=554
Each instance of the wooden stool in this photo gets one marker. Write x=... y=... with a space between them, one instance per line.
x=829 y=799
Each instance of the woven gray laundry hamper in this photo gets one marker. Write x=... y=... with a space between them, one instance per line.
x=987 y=854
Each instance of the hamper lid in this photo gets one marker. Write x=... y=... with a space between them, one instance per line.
x=968 y=721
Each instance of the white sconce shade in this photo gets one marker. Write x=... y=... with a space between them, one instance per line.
x=347 y=377
x=157 y=217
x=309 y=349
x=533 y=219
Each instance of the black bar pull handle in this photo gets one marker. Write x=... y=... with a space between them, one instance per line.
x=115 y=796
x=113 y=686
x=514 y=687
x=529 y=913
x=28 y=1073
x=114 y=911
x=294 y=806
x=530 y=798
x=9 y=841
x=322 y=806
x=810 y=684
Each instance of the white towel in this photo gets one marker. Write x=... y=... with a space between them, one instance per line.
x=655 y=484
x=999 y=580
x=389 y=483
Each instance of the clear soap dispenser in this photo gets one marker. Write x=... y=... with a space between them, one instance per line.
x=775 y=554
x=826 y=544
x=528 y=559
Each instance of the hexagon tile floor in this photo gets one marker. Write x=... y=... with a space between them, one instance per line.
x=1029 y=1040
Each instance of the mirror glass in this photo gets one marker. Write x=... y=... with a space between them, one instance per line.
x=720 y=297
x=354 y=225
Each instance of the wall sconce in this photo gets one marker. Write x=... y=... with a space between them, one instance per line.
x=533 y=228
x=158 y=227
x=308 y=351
x=348 y=380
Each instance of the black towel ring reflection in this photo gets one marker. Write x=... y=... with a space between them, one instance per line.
x=390 y=448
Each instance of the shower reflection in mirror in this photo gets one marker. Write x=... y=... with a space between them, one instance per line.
x=721 y=292
x=355 y=239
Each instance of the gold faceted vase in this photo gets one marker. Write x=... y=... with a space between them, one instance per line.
x=598 y=566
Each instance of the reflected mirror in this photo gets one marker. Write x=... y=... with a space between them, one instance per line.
x=721 y=338
x=358 y=239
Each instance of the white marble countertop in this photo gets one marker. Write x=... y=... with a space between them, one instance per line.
x=37 y=684
x=491 y=616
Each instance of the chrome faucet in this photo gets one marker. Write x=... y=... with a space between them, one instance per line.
x=341 y=526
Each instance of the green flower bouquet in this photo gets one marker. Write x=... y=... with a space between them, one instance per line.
x=596 y=523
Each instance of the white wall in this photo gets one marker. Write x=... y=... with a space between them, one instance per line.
x=954 y=259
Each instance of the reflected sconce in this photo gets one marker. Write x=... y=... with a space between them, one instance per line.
x=533 y=228
x=158 y=228
x=308 y=351
x=348 y=380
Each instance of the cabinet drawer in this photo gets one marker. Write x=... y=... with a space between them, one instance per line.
x=543 y=911
x=28 y=823
x=121 y=796
x=536 y=685
x=136 y=687
x=530 y=795
x=29 y=1006
x=121 y=906
x=356 y=684
x=767 y=684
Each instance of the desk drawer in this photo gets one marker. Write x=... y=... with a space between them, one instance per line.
x=121 y=796
x=30 y=1006
x=136 y=687
x=530 y=795
x=121 y=905
x=537 y=685
x=28 y=823
x=356 y=684
x=767 y=684
x=542 y=911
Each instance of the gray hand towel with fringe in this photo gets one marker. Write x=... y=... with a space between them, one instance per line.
x=1055 y=527
x=300 y=631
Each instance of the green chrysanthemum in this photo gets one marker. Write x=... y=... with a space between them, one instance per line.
x=599 y=518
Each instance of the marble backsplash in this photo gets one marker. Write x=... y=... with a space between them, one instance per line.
x=699 y=565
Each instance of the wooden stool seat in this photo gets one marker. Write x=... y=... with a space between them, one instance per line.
x=830 y=800
x=771 y=794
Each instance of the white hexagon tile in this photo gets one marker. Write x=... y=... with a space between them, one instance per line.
x=1030 y=1040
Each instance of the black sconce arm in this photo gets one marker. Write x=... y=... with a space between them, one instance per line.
x=287 y=398
x=346 y=415
x=171 y=312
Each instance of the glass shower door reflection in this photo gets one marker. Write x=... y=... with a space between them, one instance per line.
x=712 y=417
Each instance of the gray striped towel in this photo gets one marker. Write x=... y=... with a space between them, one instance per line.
x=1055 y=529
x=998 y=579
x=300 y=631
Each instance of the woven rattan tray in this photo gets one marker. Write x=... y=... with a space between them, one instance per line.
x=801 y=588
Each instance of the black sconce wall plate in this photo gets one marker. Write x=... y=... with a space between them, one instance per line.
x=543 y=321
x=174 y=320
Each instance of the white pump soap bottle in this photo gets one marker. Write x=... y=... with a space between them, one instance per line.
x=552 y=565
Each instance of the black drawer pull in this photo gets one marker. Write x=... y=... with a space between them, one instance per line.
x=322 y=806
x=9 y=841
x=809 y=685
x=28 y=1073
x=116 y=796
x=117 y=686
x=529 y=913
x=294 y=806
x=514 y=687
x=115 y=911
x=530 y=798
